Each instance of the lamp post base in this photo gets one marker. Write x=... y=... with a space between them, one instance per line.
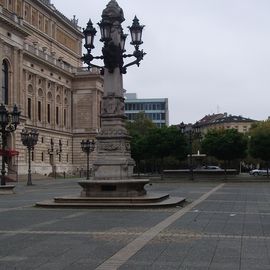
x=129 y=193
x=7 y=189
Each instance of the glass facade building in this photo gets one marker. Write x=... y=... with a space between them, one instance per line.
x=156 y=109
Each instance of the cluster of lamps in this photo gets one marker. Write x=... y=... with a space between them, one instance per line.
x=8 y=124
x=88 y=147
x=113 y=54
x=29 y=139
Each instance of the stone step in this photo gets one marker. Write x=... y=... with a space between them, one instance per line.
x=139 y=199
x=167 y=202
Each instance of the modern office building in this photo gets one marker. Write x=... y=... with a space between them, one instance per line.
x=156 y=109
x=42 y=72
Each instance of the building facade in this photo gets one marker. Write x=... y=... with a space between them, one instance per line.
x=225 y=121
x=42 y=72
x=156 y=109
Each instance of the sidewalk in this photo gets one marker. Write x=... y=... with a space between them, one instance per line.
x=224 y=226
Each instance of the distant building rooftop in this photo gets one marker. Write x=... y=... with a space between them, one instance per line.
x=222 y=118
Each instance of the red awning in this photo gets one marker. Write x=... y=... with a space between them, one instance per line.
x=9 y=153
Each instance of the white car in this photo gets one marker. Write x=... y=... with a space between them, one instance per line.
x=210 y=167
x=257 y=172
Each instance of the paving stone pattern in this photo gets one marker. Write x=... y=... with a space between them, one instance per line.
x=227 y=230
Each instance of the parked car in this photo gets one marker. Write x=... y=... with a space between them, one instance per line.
x=257 y=172
x=210 y=167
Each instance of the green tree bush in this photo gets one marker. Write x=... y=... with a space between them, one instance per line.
x=259 y=144
x=225 y=145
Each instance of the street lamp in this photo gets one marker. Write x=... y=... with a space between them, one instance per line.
x=8 y=124
x=191 y=131
x=113 y=141
x=29 y=139
x=88 y=147
x=113 y=37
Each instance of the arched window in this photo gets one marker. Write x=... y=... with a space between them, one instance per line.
x=4 y=94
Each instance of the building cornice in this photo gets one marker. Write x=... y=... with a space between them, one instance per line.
x=13 y=21
x=46 y=4
x=53 y=63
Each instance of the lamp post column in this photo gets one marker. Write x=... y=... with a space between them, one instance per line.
x=29 y=178
x=190 y=156
x=87 y=172
x=88 y=147
x=3 y=170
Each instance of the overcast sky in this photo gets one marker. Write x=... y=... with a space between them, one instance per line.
x=205 y=56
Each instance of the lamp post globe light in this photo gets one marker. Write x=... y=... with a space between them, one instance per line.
x=190 y=131
x=88 y=147
x=29 y=139
x=8 y=124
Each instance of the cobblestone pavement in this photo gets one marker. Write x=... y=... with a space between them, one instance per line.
x=224 y=226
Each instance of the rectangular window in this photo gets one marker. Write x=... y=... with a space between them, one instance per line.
x=65 y=117
x=42 y=156
x=57 y=116
x=29 y=111
x=40 y=22
x=39 y=111
x=19 y=8
x=5 y=73
x=27 y=16
x=10 y=5
x=46 y=26
x=34 y=17
x=49 y=113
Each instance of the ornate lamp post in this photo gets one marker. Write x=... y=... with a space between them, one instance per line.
x=113 y=142
x=113 y=165
x=52 y=151
x=88 y=147
x=29 y=139
x=190 y=131
x=8 y=124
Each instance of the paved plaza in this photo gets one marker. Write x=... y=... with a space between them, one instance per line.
x=223 y=226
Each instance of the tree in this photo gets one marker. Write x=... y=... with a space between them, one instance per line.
x=225 y=145
x=164 y=142
x=138 y=130
x=150 y=143
x=259 y=144
x=141 y=125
